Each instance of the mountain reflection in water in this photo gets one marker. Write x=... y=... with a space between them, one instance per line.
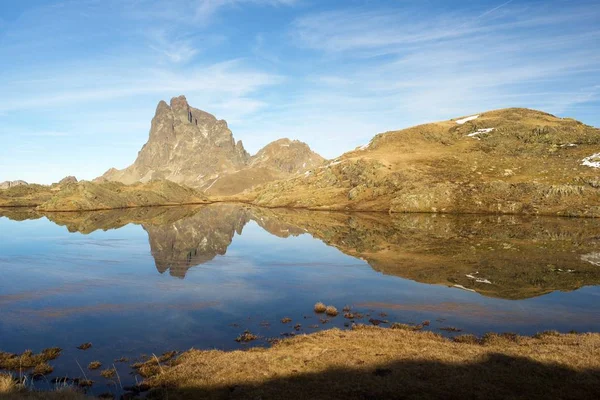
x=508 y=257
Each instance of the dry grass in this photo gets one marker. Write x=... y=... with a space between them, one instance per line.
x=320 y=308
x=42 y=369
x=331 y=311
x=27 y=360
x=108 y=373
x=84 y=346
x=11 y=390
x=371 y=362
x=94 y=365
x=245 y=337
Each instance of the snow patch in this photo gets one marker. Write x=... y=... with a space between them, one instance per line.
x=363 y=147
x=478 y=280
x=568 y=145
x=592 y=258
x=333 y=163
x=467 y=119
x=592 y=161
x=480 y=131
x=464 y=288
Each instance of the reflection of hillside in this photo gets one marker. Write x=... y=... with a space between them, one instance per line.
x=89 y=221
x=498 y=256
x=507 y=257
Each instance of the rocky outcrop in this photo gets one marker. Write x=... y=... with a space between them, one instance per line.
x=113 y=195
x=190 y=146
x=67 y=179
x=511 y=161
x=9 y=184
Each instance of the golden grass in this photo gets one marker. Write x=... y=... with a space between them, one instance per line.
x=386 y=363
x=27 y=360
x=42 y=369
x=94 y=365
x=108 y=373
x=320 y=308
x=84 y=346
x=10 y=390
x=331 y=311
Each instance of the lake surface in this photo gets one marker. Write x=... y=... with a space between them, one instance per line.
x=150 y=280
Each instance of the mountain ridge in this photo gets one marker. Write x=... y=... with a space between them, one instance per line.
x=190 y=146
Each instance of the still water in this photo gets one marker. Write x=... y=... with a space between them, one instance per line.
x=147 y=281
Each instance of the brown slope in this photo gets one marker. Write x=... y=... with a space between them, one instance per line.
x=504 y=161
x=277 y=160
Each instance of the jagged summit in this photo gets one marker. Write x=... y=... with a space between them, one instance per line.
x=191 y=146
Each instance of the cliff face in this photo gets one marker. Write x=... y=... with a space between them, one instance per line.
x=186 y=145
x=9 y=184
x=192 y=147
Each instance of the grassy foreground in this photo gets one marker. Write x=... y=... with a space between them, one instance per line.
x=10 y=390
x=371 y=363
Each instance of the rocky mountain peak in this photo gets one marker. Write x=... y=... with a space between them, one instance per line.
x=191 y=146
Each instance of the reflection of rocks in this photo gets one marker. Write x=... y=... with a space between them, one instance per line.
x=498 y=256
x=196 y=239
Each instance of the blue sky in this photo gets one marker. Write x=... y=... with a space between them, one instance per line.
x=80 y=80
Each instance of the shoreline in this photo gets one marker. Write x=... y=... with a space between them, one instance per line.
x=381 y=362
x=319 y=209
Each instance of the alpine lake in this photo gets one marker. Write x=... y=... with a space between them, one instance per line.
x=142 y=282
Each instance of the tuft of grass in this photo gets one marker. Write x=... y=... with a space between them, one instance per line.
x=85 y=346
x=7 y=383
x=51 y=353
x=27 y=360
x=246 y=337
x=406 y=327
x=122 y=360
x=541 y=335
x=167 y=356
x=94 y=365
x=108 y=373
x=346 y=309
x=286 y=320
x=450 y=329
x=42 y=369
x=320 y=308
x=466 y=339
x=83 y=383
x=331 y=311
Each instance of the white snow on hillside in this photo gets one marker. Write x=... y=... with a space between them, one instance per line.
x=592 y=258
x=592 y=161
x=480 y=131
x=467 y=119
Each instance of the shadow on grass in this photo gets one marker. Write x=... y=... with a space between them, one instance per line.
x=495 y=377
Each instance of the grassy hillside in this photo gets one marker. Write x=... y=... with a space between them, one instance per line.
x=84 y=195
x=503 y=161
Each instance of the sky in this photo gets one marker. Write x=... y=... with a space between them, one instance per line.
x=80 y=79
